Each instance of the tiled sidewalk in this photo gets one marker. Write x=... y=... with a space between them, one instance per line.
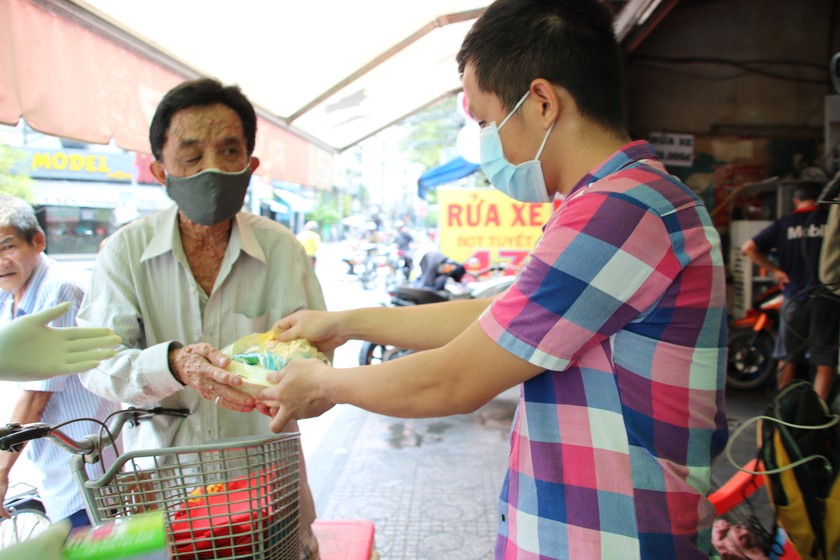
x=430 y=486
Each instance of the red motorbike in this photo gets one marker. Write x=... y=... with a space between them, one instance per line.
x=751 y=340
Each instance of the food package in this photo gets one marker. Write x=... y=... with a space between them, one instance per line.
x=252 y=357
x=135 y=537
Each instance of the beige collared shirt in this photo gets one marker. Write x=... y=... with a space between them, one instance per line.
x=142 y=288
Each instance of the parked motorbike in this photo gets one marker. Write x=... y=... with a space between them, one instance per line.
x=440 y=286
x=751 y=340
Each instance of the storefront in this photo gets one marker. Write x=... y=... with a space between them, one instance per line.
x=84 y=196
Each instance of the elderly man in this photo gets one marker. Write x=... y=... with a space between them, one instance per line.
x=180 y=284
x=31 y=284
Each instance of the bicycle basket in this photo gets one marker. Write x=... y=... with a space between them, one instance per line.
x=235 y=498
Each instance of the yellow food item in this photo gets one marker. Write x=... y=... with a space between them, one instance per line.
x=254 y=356
x=197 y=495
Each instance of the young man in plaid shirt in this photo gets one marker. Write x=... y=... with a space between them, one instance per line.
x=615 y=329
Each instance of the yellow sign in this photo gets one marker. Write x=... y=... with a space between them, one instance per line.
x=481 y=227
x=75 y=162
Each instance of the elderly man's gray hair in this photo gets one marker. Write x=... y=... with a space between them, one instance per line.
x=18 y=214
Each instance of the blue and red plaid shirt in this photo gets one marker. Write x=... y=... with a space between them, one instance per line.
x=623 y=304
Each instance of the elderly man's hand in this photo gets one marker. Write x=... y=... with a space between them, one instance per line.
x=30 y=350
x=321 y=328
x=296 y=395
x=201 y=366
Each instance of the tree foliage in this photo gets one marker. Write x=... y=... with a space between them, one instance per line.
x=326 y=212
x=432 y=132
x=11 y=182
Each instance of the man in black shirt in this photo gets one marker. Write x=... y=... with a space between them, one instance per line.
x=810 y=318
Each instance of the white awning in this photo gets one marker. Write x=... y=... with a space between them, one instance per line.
x=92 y=194
x=296 y=202
x=331 y=73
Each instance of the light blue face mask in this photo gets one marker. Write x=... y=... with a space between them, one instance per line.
x=523 y=182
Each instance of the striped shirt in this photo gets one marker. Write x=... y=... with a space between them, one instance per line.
x=48 y=287
x=622 y=303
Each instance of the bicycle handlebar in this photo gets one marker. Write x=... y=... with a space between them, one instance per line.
x=14 y=440
x=13 y=436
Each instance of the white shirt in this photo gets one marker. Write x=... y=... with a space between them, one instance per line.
x=56 y=486
x=142 y=288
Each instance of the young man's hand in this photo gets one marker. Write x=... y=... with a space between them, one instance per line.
x=321 y=328
x=296 y=395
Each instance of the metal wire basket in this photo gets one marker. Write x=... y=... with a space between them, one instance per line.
x=235 y=498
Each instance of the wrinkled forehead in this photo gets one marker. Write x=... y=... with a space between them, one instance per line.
x=9 y=234
x=210 y=123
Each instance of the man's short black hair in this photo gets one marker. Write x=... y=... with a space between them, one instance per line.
x=807 y=191
x=570 y=43
x=197 y=93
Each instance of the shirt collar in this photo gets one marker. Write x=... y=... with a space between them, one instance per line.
x=30 y=296
x=247 y=238
x=630 y=153
x=167 y=237
x=166 y=231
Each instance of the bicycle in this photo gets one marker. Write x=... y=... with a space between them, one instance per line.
x=234 y=498
x=28 y=516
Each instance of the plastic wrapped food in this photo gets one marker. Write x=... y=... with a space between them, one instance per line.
x=252 y=357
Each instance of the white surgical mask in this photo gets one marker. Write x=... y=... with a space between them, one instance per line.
x=523 y=182
x=211 y=196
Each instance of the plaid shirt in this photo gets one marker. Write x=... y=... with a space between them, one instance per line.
x=622 y=303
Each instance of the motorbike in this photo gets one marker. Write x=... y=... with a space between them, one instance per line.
x=365 y=263
x=401 y=264
x=751 y=339
x=448 y=281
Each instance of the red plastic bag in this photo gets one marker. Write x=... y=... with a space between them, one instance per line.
x=222 y=520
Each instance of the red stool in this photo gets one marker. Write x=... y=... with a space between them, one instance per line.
x=345 y=539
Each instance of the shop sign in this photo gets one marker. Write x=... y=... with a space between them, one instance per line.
x=78 y=165
x=98 y=195
x=675 y=150
x=488 y=227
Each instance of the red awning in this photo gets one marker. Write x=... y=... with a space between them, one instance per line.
x=101 y=92
x=69 y=79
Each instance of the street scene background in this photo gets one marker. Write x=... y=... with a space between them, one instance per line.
x=429 y=485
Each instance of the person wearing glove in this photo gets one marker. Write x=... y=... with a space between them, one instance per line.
x=30 y=350
x=178 y=285
x=47 y=545
x=31 y=286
